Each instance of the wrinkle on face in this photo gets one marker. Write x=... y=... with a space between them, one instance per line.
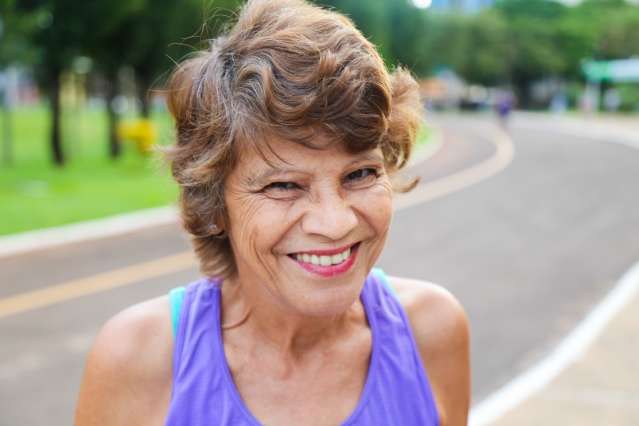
x=264 y=229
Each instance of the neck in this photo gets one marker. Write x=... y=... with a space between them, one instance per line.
x=285 y=331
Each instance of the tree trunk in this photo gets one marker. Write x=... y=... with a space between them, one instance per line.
x=144 y=96
x=115 y=148
x=55 y=135
x=522 y=90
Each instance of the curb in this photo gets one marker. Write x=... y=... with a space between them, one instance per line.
x=15 y=244
x=83 y=231
x=568 y=351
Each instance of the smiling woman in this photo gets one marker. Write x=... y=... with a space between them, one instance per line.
x=289 y=133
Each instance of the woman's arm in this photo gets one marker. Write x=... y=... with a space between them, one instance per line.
x=127 y=378
x=440 y=328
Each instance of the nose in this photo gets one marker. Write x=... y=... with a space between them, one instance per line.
x=330 y=216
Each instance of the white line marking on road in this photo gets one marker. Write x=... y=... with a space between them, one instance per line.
x=447 y=185
x=83 y=231
x=575 y=344
x=569 y=350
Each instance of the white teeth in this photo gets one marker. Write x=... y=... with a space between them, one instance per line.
x=314 y=259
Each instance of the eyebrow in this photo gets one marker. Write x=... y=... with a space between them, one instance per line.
x=268 y=174
x=274 y=171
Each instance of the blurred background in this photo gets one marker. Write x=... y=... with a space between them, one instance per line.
x=541 y=94
x=80 y=82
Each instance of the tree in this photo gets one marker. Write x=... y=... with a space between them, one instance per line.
x=164 y=32
x=489 y=55
x=109 y=43
x=16 y=28
x=533 y=34
x=58 y=35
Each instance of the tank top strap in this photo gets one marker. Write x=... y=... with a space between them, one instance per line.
x=402 y=390
x=199 y=318
x=176 y=297
x=381 y=297
x=203 y=392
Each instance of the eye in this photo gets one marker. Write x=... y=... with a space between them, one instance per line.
x=362 y=176
x=282 y=190
x=282 y=186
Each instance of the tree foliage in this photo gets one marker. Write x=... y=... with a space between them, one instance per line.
x=515 y=42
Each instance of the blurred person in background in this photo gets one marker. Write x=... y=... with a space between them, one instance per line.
x=504 y=106
x=289 y=133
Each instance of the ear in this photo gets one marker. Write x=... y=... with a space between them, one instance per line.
x=219 y=227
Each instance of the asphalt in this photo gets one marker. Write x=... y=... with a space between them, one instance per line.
x=528 y=252
x=600 y=387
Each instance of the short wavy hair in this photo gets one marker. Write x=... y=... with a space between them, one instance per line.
x=287 y=69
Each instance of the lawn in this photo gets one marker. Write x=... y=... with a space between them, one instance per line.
x=35 y=194
x=423 y=137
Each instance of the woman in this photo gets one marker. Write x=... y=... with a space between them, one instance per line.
x=289 y=130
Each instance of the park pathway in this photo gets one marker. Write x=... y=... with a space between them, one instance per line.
x=528 y=251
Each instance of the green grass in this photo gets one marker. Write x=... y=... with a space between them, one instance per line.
x=35 y=194
x=424 y=137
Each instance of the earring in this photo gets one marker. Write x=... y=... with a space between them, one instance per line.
x=216 y=231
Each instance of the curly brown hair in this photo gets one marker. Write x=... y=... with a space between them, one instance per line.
x=287 y=69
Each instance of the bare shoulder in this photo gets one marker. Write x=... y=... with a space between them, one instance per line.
x=441 y=331
x=430 y=307
x=128 y=370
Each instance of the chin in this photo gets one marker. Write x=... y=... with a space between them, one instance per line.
x=330 y=297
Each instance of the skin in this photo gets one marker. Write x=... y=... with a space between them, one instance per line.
x=298 y=344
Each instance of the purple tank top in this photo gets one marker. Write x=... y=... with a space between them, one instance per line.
x=396 y=391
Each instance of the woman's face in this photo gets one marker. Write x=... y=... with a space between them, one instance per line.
x=307 y=225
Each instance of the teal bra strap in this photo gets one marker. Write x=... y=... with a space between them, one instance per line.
x=379 y=273
x=176 y=296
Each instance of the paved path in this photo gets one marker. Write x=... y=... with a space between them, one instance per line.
x=599 y=387
x=528 y=251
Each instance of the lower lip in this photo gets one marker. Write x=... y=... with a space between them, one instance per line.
x=331 y=270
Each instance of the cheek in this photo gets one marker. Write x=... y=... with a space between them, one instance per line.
x=244 y=224
x=376 y=205
x=256 y=224
x=243 y=211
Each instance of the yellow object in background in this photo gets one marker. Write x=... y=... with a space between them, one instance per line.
x=142 y=132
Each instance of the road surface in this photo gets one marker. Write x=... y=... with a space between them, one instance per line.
x=528 y=252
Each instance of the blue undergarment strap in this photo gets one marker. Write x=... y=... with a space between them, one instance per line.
x=379 y=273
x=176 y=296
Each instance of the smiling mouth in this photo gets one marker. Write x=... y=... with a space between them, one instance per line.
x=325 y=258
